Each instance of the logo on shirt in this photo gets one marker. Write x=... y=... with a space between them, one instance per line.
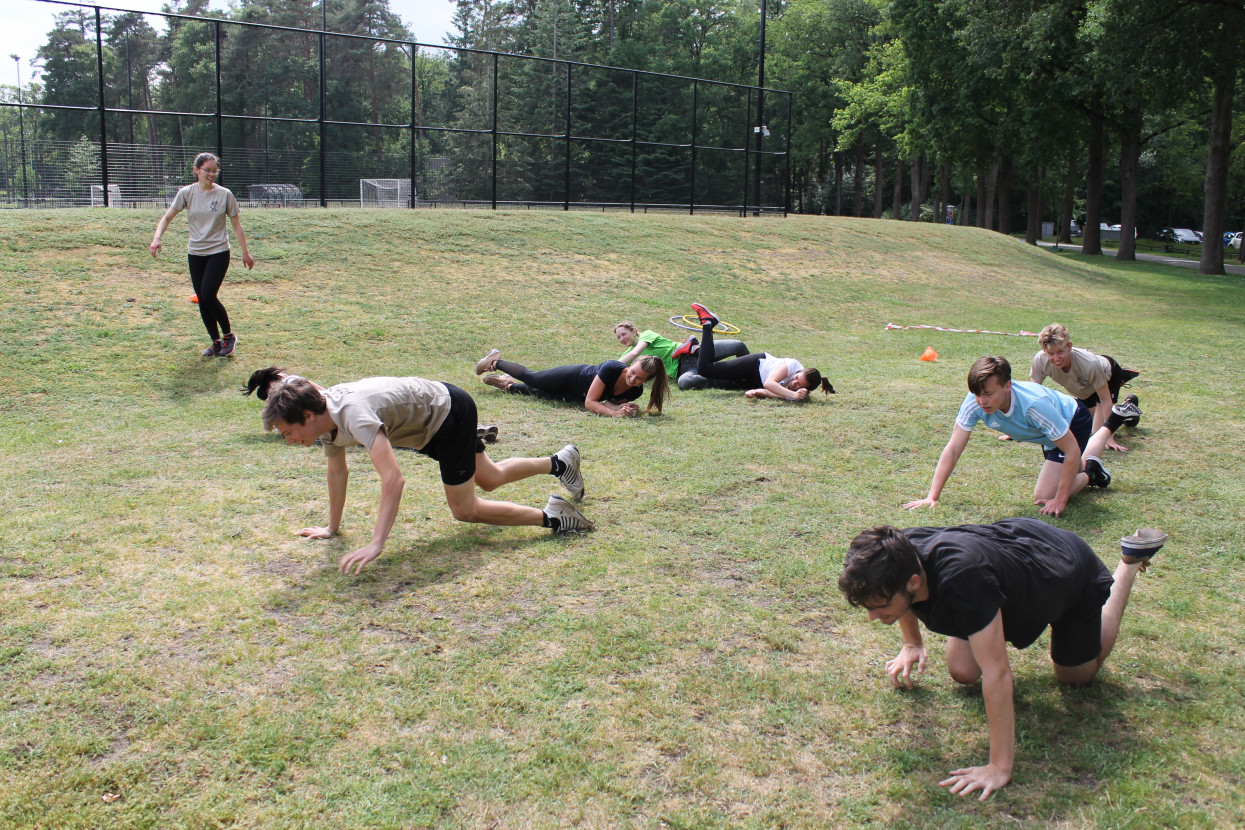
x=212 y=205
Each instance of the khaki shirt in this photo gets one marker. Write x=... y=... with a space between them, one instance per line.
x=410 y=410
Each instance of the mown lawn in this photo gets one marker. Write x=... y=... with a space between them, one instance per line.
x=171 y=655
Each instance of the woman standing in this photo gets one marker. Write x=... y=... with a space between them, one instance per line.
x=207 y=205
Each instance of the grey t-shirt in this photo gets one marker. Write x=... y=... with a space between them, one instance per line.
x=205 y=215
x=1087 y=373
x=411 y=410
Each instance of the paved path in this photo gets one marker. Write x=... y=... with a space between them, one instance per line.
x=1231 y=268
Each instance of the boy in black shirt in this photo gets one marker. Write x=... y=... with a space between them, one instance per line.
x=984 y=586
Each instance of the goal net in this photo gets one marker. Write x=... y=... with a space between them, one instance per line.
x=97 y=195
x=385 y=193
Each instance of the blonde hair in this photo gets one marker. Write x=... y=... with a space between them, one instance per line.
x=1054 y=336
x=628 y=325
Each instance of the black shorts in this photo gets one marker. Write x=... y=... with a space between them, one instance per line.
x=1082 y=427
x=456 y=443
x=1119 y=377
x=1076 y=637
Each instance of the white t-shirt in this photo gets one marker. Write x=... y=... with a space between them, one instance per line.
x=769 y=364
x=205 y=215
x=1086 y=372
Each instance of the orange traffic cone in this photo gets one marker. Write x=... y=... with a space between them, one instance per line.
x=930 y=355
x=194 y=298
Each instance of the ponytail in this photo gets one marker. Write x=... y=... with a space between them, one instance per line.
x=815 y=380
x=661 y=383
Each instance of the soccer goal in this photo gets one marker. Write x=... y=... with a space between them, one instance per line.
x=385 y=193
x=97 y=195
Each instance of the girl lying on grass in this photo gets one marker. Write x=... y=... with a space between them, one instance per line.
x=761 y=374
x=606 y=389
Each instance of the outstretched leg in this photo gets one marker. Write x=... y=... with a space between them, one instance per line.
x=467 y=506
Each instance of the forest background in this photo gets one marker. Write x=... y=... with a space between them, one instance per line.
x=1010 y=112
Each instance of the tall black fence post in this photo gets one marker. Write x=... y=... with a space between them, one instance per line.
x=324 y=197
x=747 y=158
x=635 y=110
x=415 y=110
x=760 y=125
x=566 y=185
x=494 y=165
x=220 y=129
x=103 y=130
x=786 y=185
x=691 y=196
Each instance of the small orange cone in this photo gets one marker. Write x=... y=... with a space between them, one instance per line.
x=194 y=298
x=930 y=355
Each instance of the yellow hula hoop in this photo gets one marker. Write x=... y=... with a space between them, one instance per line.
x=691 y=322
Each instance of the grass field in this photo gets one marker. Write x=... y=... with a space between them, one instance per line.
x=172 y=656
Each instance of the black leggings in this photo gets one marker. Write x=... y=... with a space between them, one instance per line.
x=206 y=275
x=741 y=373
x=560 y=383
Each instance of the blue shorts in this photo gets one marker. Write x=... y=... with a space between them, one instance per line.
x=1082 y=427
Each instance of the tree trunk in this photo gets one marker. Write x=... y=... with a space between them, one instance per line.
x=879 y=180
x=944 y=191
x=1064 y=233
x=1224 y=79
x=898 y=193
x=1005 y=196
x=838 y=183
x=1094 y=174
x=915 y=184
x=967 y=212
x=1130 y=172
x=858 y=181
x=991 y=187
x=1033 y=208
x=981 y=197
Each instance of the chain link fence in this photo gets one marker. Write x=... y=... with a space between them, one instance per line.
x=301 y=117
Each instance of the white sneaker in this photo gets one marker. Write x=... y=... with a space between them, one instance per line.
x=569 y=519
x=571 y=478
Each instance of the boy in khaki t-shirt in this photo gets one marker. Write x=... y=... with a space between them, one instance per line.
x=433 y=418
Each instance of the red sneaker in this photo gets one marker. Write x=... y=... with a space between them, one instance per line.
x=686 y=348
x=706 y=316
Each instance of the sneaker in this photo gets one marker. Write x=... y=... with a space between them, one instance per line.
x=571 y=478
x=213 y=350
x=487 y=363
x=686 y=348
x=569 y=519
x=228 y=344
x=1129 y=411
x=1098 y=475
x=706 y=316
x=502 y=382
x=487 y=433
x=1143 y=544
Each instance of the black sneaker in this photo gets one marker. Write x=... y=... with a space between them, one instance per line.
x=1129 y=411
x=228 y=344
x=213 y=350
x=1143 y=544
x=1098 y=475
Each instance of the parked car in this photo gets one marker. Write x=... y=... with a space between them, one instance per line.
x=1179 y=236
x=1234 y=241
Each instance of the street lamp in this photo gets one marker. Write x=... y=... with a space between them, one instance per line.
x=21 y=125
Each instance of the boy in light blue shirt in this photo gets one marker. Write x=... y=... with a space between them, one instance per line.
x=1035 y=414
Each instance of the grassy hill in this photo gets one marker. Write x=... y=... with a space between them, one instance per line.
x=173 y=656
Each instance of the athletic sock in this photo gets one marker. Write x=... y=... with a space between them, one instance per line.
x=559 y=466
x=551 y=522
x=1114 y=422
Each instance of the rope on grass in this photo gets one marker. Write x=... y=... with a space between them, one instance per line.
x=1021 y=333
